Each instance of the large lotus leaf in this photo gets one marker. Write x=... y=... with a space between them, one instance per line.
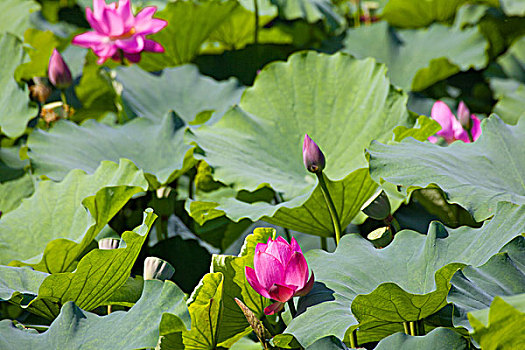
x=15 y=108
x=182 y=89
x=405 y=269
x=500 y=327
x=12 y=192
x=233 y=322
x=311 y=11
x=156 y=148
x=510 y=95
x=342 y=103
x=415 y=13
x=439 y=338
x=15 y=281
x=417 y=59
x=470 y=174
x=75 y=328
x=15 y=17
x=513 y=7
x=474 y=288
x=190 y=23
x=54 y=219
x=98 y=274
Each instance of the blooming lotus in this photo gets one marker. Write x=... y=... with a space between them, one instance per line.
x=58 y=72
x=453 y=129
x=117 y=32
x=280 y=272
x=313 y=157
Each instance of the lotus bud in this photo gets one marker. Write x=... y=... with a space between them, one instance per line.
x=378 y=206
x=464 y=115
x=380 y=237
x=157 y=269
x=108 y=243
x=280 y=272
x=58 y=71
x=313 y=158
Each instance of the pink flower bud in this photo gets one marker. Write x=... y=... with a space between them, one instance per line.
x=280 y=272
x=58 y=72
x=313 y=158
x=463 y=115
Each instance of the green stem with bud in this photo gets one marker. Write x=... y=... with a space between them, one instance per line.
x=331 y=206
x=353 y=339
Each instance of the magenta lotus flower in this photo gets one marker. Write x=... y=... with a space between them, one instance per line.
x=58 y=72
x=451 y=128
x=117 y=31
x=313 y=158
x=280 y=273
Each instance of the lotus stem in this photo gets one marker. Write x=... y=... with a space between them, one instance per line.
x=324 y=244
x=109 y=309
x=395 y=224
x=413 y=328
x=256 y=32
x=291 y=306
x=405 y=327
x=331 y=207
x=65 y=106
x=353 y=339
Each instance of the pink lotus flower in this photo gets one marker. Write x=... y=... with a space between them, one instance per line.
x=313 y=157
x=58 y=72
x=280 y=273
x=453 y=129
x=117 y=31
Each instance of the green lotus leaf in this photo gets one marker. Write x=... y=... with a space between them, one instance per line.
x=510 y=95
x=513 y=7
x=54 y=218
x=311 y=11
x=414 y=13
x=233 y=322
x=413 y=268
x=12 y=192
x=11 y=167
x=17 y=281
x=15 y=18
x=191 y=23
x=498 y=327
x=511 y=92
x=15 y=108
x=94 y=91
x=439 y=338
x=77 y=329
x=238 y=30
x=513 y=61
x=434 y=53
x=342 y=103
x=156 y=148
x=98 y=274
x=474 y=288
x=39 y=46
x=470 y=174
x=182 y=90
x=205 y=306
